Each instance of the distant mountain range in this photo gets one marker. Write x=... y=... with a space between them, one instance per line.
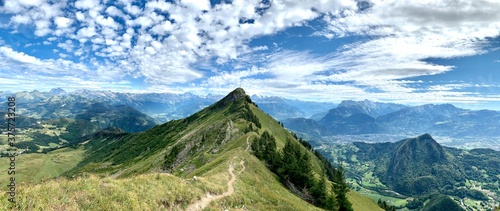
x=162 y=107
x=282 y=108
x=366 y=117
x=32 y=108
x=317 y=119
x=416 y=167
x=233 y=141
x=226 y=156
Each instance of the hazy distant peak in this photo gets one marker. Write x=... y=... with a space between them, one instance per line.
x=267 y=97
x=371 y=108
x=445 y=105
x=57 y=91
x=366 y=102
x=438 y=108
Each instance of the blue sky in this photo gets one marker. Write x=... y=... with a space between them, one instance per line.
x=403 y=51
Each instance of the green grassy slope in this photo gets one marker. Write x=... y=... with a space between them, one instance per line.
x=37 y=167
x=362 y=203
x=144 y=192
x=211 y=146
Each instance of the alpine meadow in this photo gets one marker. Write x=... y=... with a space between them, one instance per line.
x=228 y=155
x=187 y=105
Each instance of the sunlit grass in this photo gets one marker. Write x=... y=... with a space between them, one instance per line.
x=139 y=186
x=143 y=192
x=37 y=167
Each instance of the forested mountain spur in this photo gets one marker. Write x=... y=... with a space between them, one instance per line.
x=420 y=168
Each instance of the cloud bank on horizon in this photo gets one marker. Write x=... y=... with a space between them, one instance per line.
x=386 y=50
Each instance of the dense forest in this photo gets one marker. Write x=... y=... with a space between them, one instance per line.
x=292 y=166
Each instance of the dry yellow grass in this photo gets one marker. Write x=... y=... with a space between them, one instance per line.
x=143 y=192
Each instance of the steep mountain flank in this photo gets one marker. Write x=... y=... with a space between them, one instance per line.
x=417 y=165
x=412 y=166
x=413 y=170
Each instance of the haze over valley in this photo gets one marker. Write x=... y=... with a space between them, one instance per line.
x=347 y=121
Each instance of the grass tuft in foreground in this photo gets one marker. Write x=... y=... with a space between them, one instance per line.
x=144 y=192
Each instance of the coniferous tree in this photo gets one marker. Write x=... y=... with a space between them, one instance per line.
x=250 y=116
x=304 y=173
x=256 y=148
x=318 y=191
x=288 y=161
x=292 y=165
x=340 y=188
x=323 y=198
x=269 y=148
x=331 y=203
x=385 y=206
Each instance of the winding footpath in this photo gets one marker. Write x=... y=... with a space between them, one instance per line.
x=248 y=144
x=205 y=201
x=242 y=163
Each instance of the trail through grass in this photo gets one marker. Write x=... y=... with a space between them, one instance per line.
x=248 y=144
x=202 y=203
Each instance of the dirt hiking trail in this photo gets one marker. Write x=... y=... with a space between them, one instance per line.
x=248 y=144
x=205 y=201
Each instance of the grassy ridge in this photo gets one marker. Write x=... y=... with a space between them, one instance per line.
x=210 y=141
x=37 y=167
x=255 y=188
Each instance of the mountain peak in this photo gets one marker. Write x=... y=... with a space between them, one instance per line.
x=415 y=157
x=57 y=91
x=423 y=140
x=236 y=94
x=422 y=149
x=425 y=136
